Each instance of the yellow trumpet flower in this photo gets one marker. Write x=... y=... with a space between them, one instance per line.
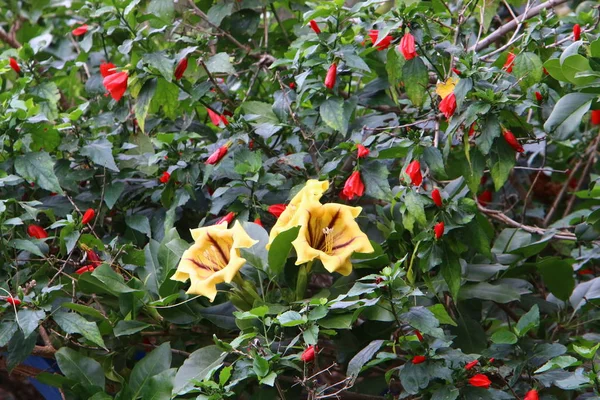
x=308 y=195
x=443 y=89
x=330 y=233
x=213 y=258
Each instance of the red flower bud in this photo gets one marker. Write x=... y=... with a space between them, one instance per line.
x=539 y=97
x=228 y=218
x=107 y=69
x=13 y=300
x=292 y=85
x=276 y=209
x=217 y=119
x=331 y=76
x=438 y=229
x=414 y=172
x=419 y=359
x=485 y=198
x=407 y=46
x=532 y=395
x=257 y=221
x=471 y=365
x=116 y=84
x=576 y=32
x=385 y=42
x=80 y=30
x=180 y=69
x=456 y=71
x=436 y=197
x=87 y=268
x=36 y=231
x=480 y=380
x=14 y=65
x=93 y=258
x=314 y=26
x=217 y=155
x=362 y=151
x=508 y=64
x=308 y=355
x=164 y=178
x=448 y=105
x=88 y=216
x=472 y=129
x=419 y=335
x=491 y=360
x=512 y=141
x=587 y=271
x=354 y=186
x=595 y=117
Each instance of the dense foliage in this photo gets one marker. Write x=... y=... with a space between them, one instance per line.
x=290 y=199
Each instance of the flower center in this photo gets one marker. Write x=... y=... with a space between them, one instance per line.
x=328 y=242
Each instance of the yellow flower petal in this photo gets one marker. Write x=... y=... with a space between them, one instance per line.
x=330 y=233
x=310 y=194
x=443 y=89
x=213 y=258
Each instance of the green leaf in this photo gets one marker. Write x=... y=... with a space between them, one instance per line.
x=219 y=11
x=504 y=336
x=162 y=63
x=81 y=309
x=528 y=68
x=489 y=131
x=260 y=366
x=446 y=392
x=490 y=7
x=484 y=291
x=451 y=271
x=414 y=377
x=75 y=323
x=416 y=79
x=29 y=319
x=112 y=193
x=152 y=364
x=83 y=370
x=113 y=281
x=199 y=366
x=125 y=328
x=38 y=167
x=439 y=311
x=154 y=273
x=7 y=330
x=362 y=357
x=393 y=66
x=19 y=348
x=557 y=275
x=561 y=362
x=262 y=110
x=139 y=223
x=415 y=206
x=585 y=351
x=375 y=177
x=554 y=69
x=26 y=245
x=422 y=319
x=165 y=98
x=100 y=152
x=530 y=320
x=163 y=9
x=332 y=113
x=567 y=114
x=143 y=100
x=280 y=249
x=575 y=64
x=503 y=161
x=290 y=318
x=160 y=386
x=219 y=63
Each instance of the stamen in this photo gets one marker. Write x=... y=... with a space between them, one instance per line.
x=328 y=232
